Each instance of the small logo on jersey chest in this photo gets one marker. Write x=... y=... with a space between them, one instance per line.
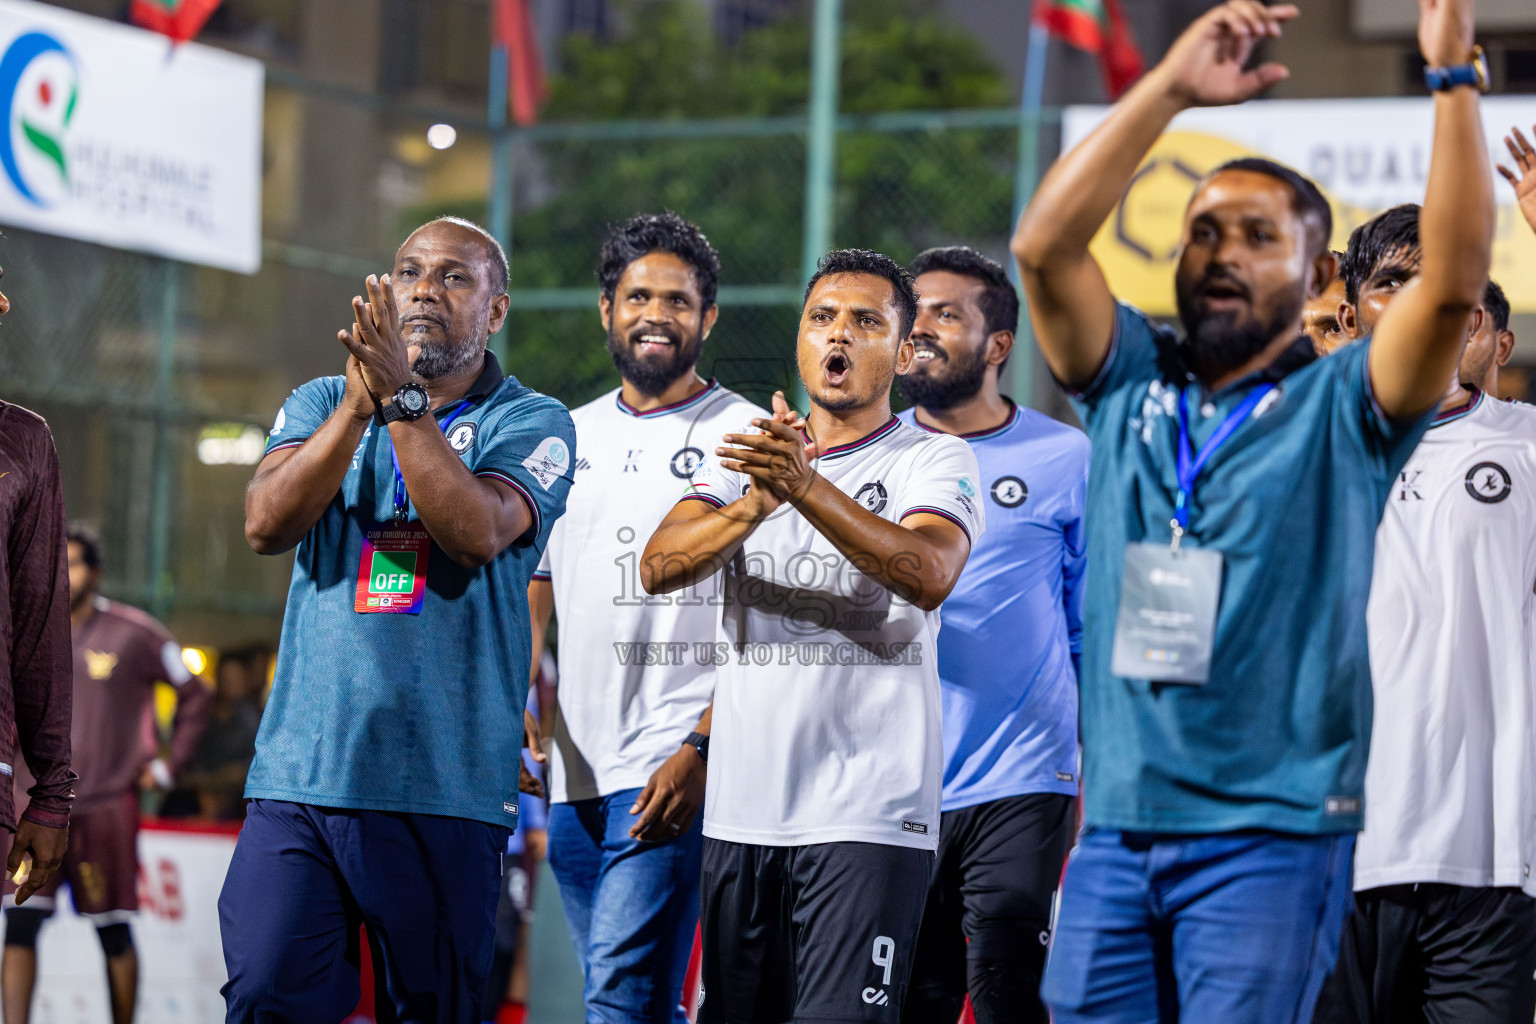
x=872 y=496
x=631 y=460
x=1009 y=491
x=462 y=435
x=1408 y=485
x=686 y=461
x=1488 y=482
x=99 y=664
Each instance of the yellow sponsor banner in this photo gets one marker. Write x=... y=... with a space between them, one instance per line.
x=1381 y=162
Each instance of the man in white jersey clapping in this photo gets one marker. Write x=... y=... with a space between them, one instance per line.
x=632 y=727
x=1444 y=923
x=837 y=537
x=1012 y=629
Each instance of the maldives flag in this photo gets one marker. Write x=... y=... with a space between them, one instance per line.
x=182 y=20
x=1097 y=26
x=527 y=88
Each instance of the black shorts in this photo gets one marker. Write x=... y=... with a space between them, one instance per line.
x=808 y=933
x=1433 y=952
x=988 y=920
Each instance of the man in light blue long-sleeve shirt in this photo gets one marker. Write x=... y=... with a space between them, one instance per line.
x=1010 y=635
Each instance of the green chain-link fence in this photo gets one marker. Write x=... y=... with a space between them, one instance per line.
x=159 y=379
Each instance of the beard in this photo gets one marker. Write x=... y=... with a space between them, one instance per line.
x=1217 y=342
x=1472 y=372
x=652 y=375
x=963 y=375
x=444 y=358
x=842 y=403
x=838 y=399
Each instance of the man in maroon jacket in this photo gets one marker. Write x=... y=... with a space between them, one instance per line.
x=34 y=644
x=120 y=654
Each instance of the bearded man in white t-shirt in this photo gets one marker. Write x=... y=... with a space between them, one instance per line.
x=836 y=537
x=631 y=731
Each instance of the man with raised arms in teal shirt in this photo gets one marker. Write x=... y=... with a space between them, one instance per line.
x=1236 y=485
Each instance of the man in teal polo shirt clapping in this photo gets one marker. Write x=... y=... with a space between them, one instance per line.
x=420 y=488
x=1236 y=485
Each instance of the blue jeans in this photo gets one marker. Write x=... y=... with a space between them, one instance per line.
x=1237 y=928
x=632 y=908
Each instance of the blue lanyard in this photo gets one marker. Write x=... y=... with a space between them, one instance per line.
x=401 y=501
x=1191 y=463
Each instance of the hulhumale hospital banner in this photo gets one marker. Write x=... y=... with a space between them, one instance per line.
x=1366 y=155
x=115 y=135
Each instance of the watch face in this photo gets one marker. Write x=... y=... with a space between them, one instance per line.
x=413 y=398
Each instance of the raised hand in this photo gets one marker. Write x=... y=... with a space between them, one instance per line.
x=1204 y=67
x=1446 y=29
x=356 y=396
x=1525 y=180
x=384 y=359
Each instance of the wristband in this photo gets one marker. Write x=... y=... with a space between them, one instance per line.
x=1474 y=73
x=700 y=742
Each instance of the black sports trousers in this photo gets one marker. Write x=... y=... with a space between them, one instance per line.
x=1437 y=954
x=808 y=933
x=987 y=924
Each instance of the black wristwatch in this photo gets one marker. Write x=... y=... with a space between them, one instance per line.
x=411 y=402
x=700 y=742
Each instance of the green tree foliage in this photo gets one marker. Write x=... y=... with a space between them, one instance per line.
x=896 y=192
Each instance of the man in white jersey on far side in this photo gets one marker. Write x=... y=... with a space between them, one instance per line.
x=636 y=671
x=838 y=536
x=1012 y=628
x=1444 y=923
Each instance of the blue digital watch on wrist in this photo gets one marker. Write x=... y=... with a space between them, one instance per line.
x=1474 y=73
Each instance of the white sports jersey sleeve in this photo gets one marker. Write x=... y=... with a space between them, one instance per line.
x=943 y=483
x=715 y=484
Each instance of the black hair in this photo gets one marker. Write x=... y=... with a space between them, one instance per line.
x=999 y=301
x=89 y=541
x=1392 y=231
x=646 y=233
x=500 y=273
x=1497 y=305
x=1306 y=198
x=876 y=264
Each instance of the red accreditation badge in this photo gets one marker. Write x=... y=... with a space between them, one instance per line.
x=392 y=574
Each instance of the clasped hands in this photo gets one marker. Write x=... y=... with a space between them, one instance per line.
x=778 y=460
x=379 y=360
